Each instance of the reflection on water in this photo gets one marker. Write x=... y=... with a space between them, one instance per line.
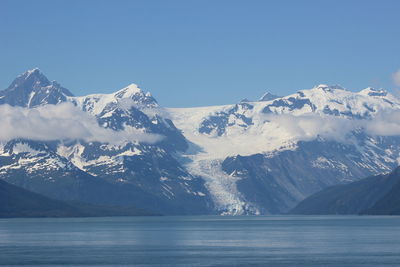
x=202 y=241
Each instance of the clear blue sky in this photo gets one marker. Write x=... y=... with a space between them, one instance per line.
x=193 y=53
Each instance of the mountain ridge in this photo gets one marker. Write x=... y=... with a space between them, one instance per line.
x=18 y=202
x=259 y=157
x=370 y=195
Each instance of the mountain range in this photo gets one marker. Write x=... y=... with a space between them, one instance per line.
x=253 y=157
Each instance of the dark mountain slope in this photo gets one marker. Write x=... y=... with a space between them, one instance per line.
x=351 y=198
x=18 y=202
x=388 y=205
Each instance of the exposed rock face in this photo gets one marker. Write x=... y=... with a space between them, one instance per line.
x=258 y=157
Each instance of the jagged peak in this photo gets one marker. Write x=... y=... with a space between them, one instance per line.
x=370 y=91
x=123 y=98
x=267 y=96
x=29 y=72
x=129 y=91
x=133 y=88
x=32 y=71
x=32 y=88
x=32 y=77
x=132 y=91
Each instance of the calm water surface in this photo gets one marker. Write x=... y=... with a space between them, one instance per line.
x=202 y=241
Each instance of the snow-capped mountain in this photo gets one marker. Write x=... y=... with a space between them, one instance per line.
x=333 y=100
x=145 y=174
x=256 y=157
x=265 y=156
x=131 y=107
x=32 y=89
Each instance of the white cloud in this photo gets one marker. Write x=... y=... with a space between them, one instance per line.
x=384 y=124
x=396 y=78
x=310 y=126
x=275 y=132
x=62 y=122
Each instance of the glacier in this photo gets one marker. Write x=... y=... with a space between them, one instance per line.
x=253 y=157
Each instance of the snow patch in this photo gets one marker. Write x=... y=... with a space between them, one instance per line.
x=25 y=148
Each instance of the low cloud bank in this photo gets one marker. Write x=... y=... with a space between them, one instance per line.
x=384 y=124
x=62 y=122
x=309 y=127
x=67 y=122
x=272 y=132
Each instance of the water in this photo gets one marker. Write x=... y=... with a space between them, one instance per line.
x=202 y=241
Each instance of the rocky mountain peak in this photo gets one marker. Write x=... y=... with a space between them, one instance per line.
x=31 y=89
x=370 y=91
x=129 y=91
x=268 y=96
x=136 y=94
x=30 y=79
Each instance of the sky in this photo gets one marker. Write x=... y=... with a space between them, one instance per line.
x=197 y=53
